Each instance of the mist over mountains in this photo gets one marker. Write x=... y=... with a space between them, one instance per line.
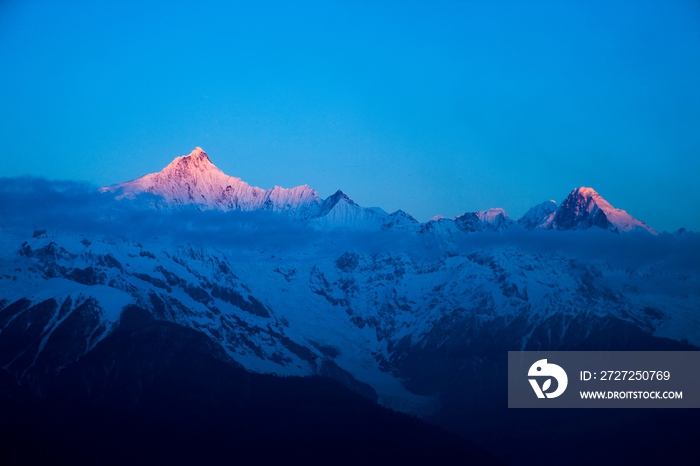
x=186 y=202
x=414 y=317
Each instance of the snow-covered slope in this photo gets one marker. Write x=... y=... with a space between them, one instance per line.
x=397 y=310
x=538 y=216
x=372 y=311
x=584 y=208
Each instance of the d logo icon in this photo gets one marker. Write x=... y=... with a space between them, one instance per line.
x=542 y=369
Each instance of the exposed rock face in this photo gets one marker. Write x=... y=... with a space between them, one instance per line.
x=584 y=208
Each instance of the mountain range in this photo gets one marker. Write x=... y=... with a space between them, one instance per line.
x=194 y=180
x=414 y=317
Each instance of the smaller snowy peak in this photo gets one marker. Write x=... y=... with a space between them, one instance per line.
x=339 y=197
x=339 y=211
x=441 y=227
x=494 y=219
x=468 y=222
x=584 y=208
x=400 y=214
x=401 y=220
x=538 y=215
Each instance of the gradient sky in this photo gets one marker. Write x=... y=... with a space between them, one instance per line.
x=433 y=108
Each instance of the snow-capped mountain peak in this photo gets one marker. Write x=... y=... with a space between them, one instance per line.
x=195 y=168
x=194 y=179
x=584 y=208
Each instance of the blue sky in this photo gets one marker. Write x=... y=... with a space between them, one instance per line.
x=433 y=108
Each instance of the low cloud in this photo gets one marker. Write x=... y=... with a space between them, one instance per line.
x=28 y=204
x=625 y=250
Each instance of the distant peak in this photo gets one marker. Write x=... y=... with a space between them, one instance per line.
x=494 y=219
x=493 y=215
x=492 y=211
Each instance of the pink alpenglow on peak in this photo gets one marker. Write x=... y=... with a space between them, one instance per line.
x=584 y=208
x=194 y=179
x=495 y=215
